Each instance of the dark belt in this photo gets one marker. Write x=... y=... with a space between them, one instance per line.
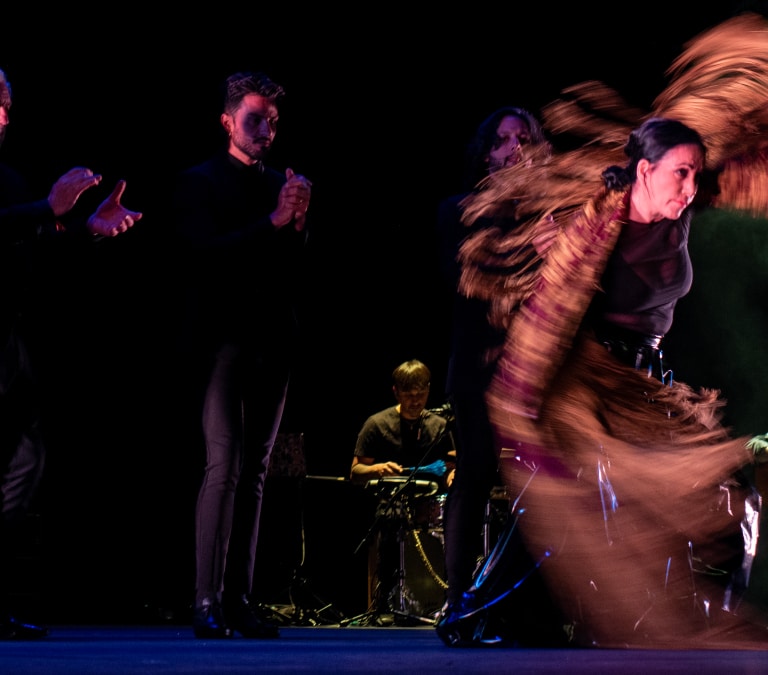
x=639 y=350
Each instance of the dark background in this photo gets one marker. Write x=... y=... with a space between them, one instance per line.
x=381 y=102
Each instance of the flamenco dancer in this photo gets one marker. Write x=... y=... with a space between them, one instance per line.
x=629 y=501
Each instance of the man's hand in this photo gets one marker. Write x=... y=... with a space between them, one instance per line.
x=111 y=217
x=292 y=202
x=67 y=189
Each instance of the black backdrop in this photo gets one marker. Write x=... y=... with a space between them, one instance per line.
x=380 y=104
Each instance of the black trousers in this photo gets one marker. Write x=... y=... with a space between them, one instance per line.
x=22 y=451
x=243 y=405
x=468 y=495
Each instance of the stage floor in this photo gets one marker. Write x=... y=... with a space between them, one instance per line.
x=124 y=650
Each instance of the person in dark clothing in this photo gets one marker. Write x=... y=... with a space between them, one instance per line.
x=503 y=139
x=26 y=225
x=401 y=442
x=242 y=228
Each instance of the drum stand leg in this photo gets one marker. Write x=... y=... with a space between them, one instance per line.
x=486 y=534
x=307 y=608
x=404 y=598
x=399 y=607
x=400 y=597
x=487 y=530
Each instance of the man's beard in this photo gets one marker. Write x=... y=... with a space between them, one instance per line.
x=256 y=152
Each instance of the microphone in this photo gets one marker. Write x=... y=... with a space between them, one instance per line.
x=445 y=410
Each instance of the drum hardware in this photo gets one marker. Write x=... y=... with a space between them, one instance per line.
x=401 y=599
x=487 y=530
x=395 y=486
x=396 y=489
x=396 y=493
x=493 y=514
x=428 y=513
x=499 y=493
x=307 y=608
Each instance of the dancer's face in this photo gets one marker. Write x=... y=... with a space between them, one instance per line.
x=511 y=135
x=664 y=189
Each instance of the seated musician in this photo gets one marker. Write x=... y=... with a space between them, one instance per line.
x=404 y=442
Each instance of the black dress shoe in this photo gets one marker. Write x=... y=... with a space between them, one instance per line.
x=250 y=620
x=209 y=624
x=12 y=628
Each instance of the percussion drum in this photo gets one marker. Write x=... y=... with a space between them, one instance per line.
x=428 y=512
x=425 y=572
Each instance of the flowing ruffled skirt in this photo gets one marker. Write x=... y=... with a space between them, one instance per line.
x=627 y=492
